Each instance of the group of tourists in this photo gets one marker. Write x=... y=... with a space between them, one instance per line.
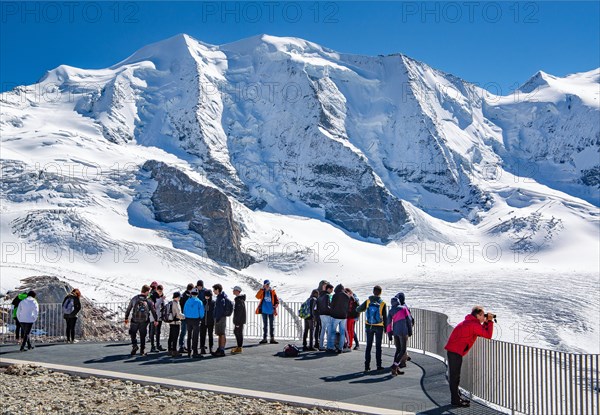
x=330 y=314
x=195 y=317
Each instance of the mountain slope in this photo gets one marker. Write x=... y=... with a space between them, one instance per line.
x=279 y=157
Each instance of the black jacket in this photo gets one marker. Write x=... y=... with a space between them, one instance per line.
x=184 y=297
x=209 y=312
x=314 y=314
x=323 y=304
x=76 y=304
x=201 y=294
x=239 y=310
x=340 y=303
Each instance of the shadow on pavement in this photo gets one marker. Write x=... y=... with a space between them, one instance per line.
x=342 y=378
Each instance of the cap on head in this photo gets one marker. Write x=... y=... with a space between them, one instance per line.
x=154 y=284
x=267 y=282
x=237 y=288
x=194 y=291
x=31 y=294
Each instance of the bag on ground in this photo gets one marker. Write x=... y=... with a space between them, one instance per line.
x=291 y=350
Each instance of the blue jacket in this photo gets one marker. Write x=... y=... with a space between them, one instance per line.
x=193 y=308
x=220 y=306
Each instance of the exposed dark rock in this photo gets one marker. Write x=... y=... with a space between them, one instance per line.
x=207 y=210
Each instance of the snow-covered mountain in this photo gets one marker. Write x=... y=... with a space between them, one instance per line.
x=278 y=157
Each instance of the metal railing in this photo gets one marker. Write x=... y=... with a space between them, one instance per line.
x=518 y=378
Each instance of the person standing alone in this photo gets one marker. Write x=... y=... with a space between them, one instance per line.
x=71 y=305
x=376 y=316
x=268 y=308
x=27 y=313
x=462 y=338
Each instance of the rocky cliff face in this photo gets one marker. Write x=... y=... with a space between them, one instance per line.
x=206 y=210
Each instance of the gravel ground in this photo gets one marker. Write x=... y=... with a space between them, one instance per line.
x=30 y=389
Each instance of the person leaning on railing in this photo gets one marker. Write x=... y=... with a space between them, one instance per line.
x=462 y=338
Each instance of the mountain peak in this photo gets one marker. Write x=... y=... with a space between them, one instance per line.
x=275 y=44
x=540 y=79
x=162 y=53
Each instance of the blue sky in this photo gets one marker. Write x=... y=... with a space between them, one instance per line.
x=497 y=45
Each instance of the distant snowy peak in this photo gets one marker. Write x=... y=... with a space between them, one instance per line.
x=540 y=79
x=549 y=88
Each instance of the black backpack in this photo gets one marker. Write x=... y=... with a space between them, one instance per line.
x=291 y=350
x=166 y=313
x=228 y=307
x=141 y=310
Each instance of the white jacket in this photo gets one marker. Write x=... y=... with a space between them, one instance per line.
x=28 y=310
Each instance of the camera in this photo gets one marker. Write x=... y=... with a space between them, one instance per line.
x=490 y=315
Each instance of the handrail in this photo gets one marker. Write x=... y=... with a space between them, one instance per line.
x=520 y=379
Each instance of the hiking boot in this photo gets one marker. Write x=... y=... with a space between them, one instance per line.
x=305 y=348
x=356 y=347
x=312 y=349
x=367 y=368
x=203 y=350
x=160 y=348
x=263 y=341
x=142 y=352
x=219 y=353
x=408 y=358
x=379 y=368
x=273 y=341
x=181 y=350
x=196 y=356
x=153 y=349
x=134 y=350
x=175 y=353
x=236 y=350
x=189 y=353
x=461 y=404
x=402 y=365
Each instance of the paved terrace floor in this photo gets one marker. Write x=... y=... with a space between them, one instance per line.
x=423 y=388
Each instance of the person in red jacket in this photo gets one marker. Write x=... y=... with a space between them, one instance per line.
x=460 y=342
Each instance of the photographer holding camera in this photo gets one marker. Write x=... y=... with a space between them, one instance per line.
x=462 y=338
